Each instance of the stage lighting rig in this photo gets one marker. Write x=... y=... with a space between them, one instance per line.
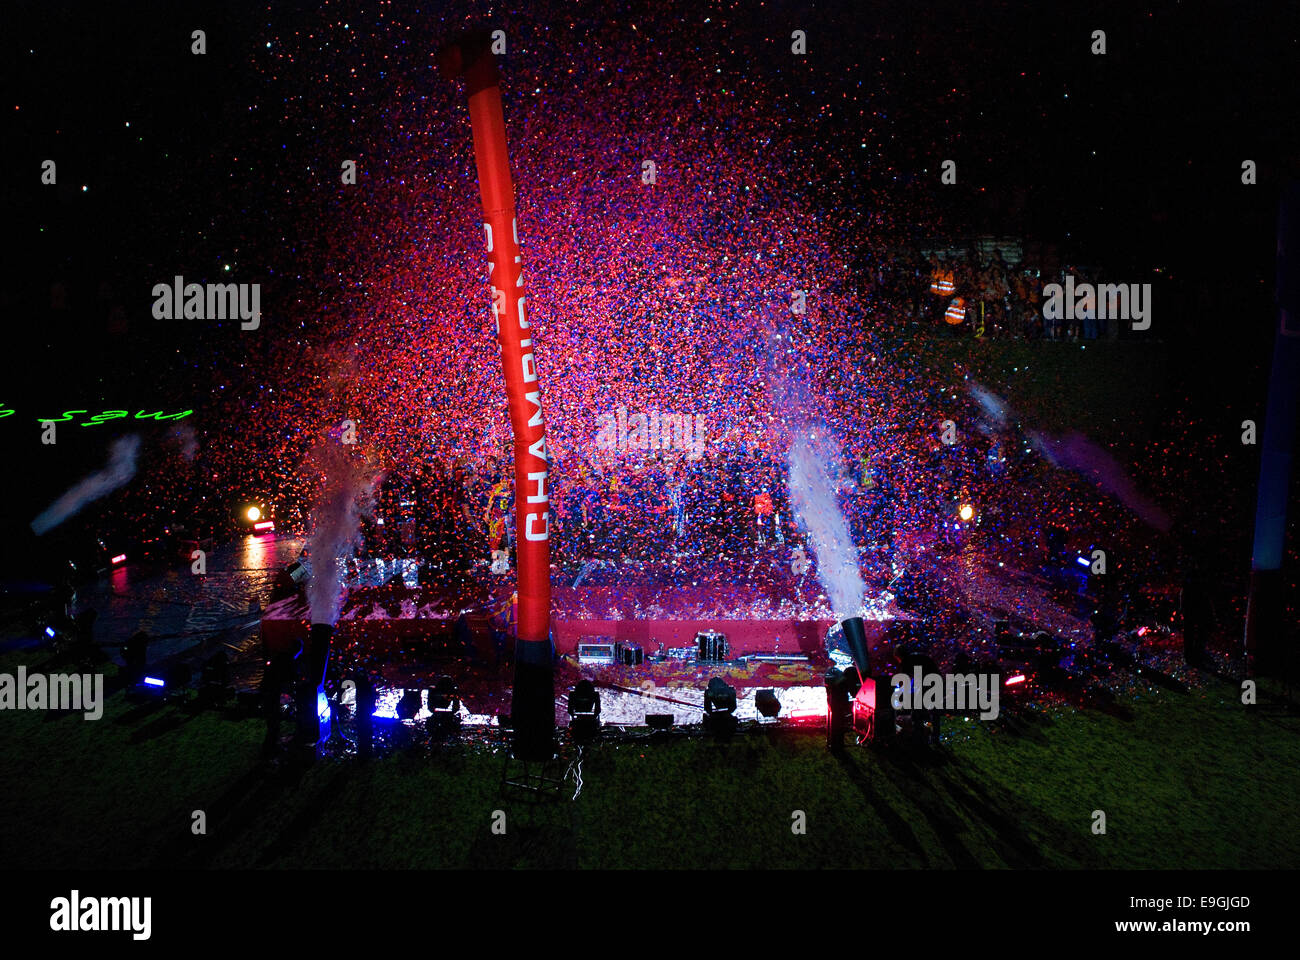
x=409 y=705
x=720 y=707
x=584 y=700
x=444 y=697
x=252 y=515
x=767 y=703
x=289 y=581
x=719 y=697
x=444 y=707
x=584 y=710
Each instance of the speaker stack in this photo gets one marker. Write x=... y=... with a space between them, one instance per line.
x=712 y=646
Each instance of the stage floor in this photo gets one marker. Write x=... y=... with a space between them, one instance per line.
x=191 y=617
x=758 y=604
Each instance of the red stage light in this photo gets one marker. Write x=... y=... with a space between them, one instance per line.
x=264 y=525
x=1018 y=678
x=119 y=558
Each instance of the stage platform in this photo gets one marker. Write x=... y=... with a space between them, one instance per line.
x=761 y=608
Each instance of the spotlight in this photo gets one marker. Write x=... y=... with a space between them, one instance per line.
x=288 y=581
x=584 y=711
x=444 y=698
x=967 y=513
x=584 y=700
x=409 y=705
x=767 y=703
x=323 y=716
x=720 y=708
x=254 y=514
x=719 y=697
x=444 y=708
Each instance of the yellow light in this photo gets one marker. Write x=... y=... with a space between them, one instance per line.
x=966 y=512
x=254 y=514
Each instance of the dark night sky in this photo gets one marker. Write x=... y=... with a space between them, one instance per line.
x=1132 y=159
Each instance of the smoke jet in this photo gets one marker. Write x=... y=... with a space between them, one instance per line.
x=1076 y=452
x=120 y=470
x=346 y=489
x=816 y=507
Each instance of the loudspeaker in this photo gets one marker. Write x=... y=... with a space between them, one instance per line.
x=712 y=646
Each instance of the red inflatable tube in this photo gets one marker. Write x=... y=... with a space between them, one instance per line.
x=471 y=58
x=533 y=697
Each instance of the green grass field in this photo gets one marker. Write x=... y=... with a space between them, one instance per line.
x=1185 y=780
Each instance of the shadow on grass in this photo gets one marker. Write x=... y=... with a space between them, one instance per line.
x=907 y=774
x=310 y=814
x=245 y=801
x=952 y=802
x=897 y=826
x=1023 y=725
x=545 y=840
x=169 y=722
x=1117 y=711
